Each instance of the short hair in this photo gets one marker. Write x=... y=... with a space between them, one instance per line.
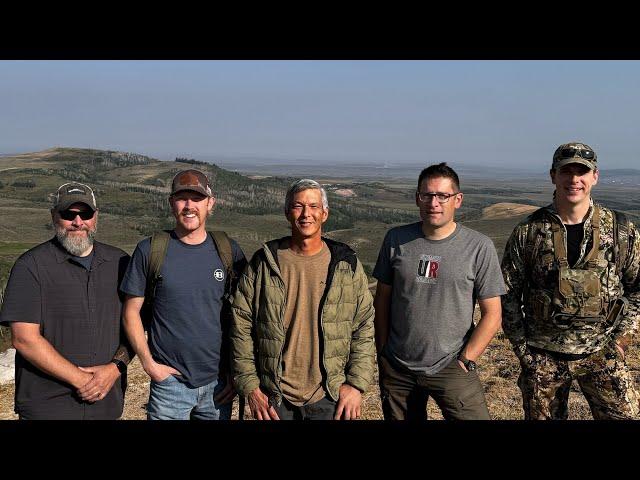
x=301 y=185
x=440 y=170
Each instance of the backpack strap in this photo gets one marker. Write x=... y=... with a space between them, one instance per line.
x=223 y=245
x=592 y=257
x=159 y=245
x=621 y=239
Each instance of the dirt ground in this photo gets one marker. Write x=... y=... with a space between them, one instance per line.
x=498 y=369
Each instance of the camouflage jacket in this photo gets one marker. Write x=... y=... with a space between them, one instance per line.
x=527 y=320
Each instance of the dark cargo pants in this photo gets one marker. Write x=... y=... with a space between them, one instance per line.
x=604 y=378
x=404 y=395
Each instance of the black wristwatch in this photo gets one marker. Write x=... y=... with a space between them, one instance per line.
x=122 y=367
x=468 y=364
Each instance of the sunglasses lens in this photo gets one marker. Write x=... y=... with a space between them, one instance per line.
x=573 y=152
x=70 y=215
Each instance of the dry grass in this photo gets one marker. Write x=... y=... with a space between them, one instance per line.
x=498 y=370
x=506 y=210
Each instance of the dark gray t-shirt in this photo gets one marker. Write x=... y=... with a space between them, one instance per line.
x=84 y=261
x=435 y=284
x=185 y=332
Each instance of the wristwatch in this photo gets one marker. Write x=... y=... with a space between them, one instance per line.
x=122 y=367
x=468 y=364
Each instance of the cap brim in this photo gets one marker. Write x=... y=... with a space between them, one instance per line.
x=581 y=161
x=200 y=190
x=63 y=205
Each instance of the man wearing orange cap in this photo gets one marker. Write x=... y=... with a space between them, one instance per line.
x=185 y=337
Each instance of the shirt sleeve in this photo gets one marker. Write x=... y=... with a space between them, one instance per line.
x=489 y=280
x=23 y=296
x=382 y=271
x=631 y=283
x=135 y=278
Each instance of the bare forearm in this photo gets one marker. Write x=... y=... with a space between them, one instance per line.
x=382 y=305
x=381 y=322
x=481 y=337
x=135 y=333
x=39 y=352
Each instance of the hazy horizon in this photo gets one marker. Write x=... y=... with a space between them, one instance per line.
x=510 y=114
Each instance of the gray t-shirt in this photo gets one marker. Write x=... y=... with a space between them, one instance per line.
x=435 y=284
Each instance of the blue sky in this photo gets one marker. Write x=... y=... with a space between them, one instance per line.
x=495 y=113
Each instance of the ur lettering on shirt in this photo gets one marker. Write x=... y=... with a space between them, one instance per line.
x=185 y=332
x=435 y=285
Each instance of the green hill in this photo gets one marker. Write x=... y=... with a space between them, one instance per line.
x=132 y=192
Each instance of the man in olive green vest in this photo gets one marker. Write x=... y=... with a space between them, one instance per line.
x=302 y=338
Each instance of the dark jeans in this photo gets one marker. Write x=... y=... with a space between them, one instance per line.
x=404 y=394
x=324 y=409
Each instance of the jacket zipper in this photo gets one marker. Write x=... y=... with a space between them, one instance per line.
x=330 y=276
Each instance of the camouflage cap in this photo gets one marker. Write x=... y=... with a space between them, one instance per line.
x=193 y=180
x=574 y=152
x=73 y=192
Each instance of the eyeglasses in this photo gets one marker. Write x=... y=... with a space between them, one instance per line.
x=442 y=197
x=576 y=152
x=70 y=215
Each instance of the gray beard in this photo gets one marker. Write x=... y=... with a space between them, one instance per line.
x=75 y=245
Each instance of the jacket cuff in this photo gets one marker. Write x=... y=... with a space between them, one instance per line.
x=247 y=386
x=357 y=382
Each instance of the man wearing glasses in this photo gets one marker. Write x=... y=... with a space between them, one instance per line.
x=571 y=270
x=64 y=310
x=430 y=274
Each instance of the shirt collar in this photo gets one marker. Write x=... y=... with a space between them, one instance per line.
x=100 y=253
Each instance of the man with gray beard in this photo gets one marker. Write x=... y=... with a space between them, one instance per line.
x=64 y=309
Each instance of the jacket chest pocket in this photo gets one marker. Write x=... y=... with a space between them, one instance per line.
x=580 y=291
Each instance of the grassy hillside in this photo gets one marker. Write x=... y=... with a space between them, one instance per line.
x=132 y=193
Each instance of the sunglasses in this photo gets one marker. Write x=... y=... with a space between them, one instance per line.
x=70 y=215
x=577 y=152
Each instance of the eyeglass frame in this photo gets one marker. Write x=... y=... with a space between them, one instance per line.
x=432 y=195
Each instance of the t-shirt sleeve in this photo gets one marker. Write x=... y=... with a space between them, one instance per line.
x=135 y=278
x=382 y=271
x=489 y=280
x=23 y=296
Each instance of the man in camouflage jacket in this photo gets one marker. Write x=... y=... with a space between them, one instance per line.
x=573 y=301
